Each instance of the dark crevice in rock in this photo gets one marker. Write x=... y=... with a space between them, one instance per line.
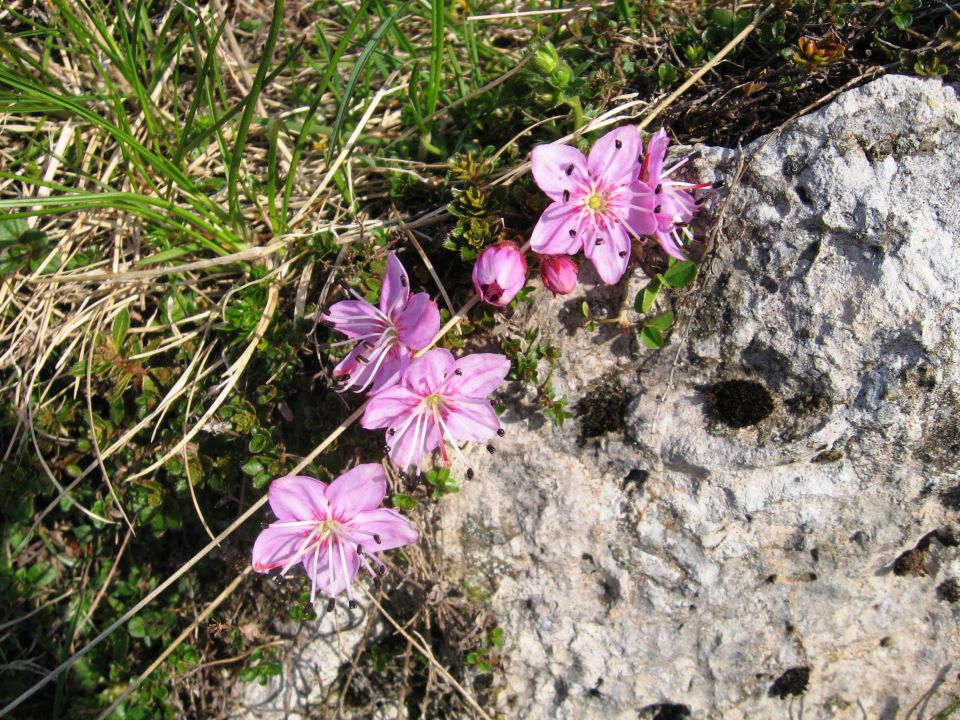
x=794 y=681
x=739 y=403
x=665 y=711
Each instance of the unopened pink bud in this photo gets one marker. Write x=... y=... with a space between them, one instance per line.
x=559 y=273
x=499 y=273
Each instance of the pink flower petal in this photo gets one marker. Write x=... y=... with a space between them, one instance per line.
x=428 y=371
x=382 y=367
x=639 y=216
x=388 y=407
x=326 y=567
x=358 y=489
x=391 y=527
x=558 y=167
x=297 y=497
x=480 y=374
x=612 y=255
x=413 y=441
x=656 y=152
x=276 y=545
x=354 y=318
x=469 y=419
x=557 y=232
x=418 y=322
x=669 y=245
x=616 y=157
x=396 y=285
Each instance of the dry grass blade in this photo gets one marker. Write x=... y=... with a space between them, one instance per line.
x=422 y=649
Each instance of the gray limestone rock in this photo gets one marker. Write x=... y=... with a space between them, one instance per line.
x=739 y=525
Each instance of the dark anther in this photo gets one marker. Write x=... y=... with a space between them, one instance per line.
x=391 y=432
x=368 y=345
x=640 y=158
x=566 y=195
x=695 y=155
x=501 y=432
x=599 y=241
x=362 y=360
x=377 y=539
x=331 y=604
x=491 y=449
x=622 y=253
x=470 y=473
x=656 y=210
x=569 y=170
x=403 y=280
x=458 y=372
x=354 y=604
x=359 y=549
x=617 y=144
x=719 y=184
x=658 y=189
x=573 y=233
x=387 y=448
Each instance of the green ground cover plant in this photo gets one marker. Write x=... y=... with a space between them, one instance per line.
x=185 y=186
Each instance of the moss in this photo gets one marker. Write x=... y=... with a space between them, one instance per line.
x=740 y=403
x=601 y=411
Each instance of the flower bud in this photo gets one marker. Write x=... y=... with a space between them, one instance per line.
x=499 y=273
x=546 y=59
x=559 y=273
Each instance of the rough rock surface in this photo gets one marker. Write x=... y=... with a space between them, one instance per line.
x=720 y=532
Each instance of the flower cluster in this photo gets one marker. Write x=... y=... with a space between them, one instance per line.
x=600 y=204
x=426 y=402
x=616 y=193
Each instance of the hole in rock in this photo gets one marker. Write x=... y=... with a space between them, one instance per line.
x=794 y=681
x=740 y=403
x=665 y=711
x=949 y=590
x=601 y=411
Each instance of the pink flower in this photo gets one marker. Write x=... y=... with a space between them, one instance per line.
x=598 y=202
x=674 y=206
x=499 y=274
x=439 y=400
x=334 y=529
x=386 y=336
x=559 y=273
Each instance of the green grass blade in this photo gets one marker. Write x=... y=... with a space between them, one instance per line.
x=233 y=180
x=355 y=76
x=436 y=55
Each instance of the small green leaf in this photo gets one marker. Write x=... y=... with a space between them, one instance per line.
x=121 y=325
x=680 y=274
x=902 y=20
x=661 y=322
x=667 y=74
x=11 y=230
x=647 y=297
x=652 y=338
x=496 y=637
x=137 y=627
x=252 y=467
x=404 y=502
x=257 y=443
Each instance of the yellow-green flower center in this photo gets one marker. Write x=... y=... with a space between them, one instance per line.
x=596 y=202
x=433 y=401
